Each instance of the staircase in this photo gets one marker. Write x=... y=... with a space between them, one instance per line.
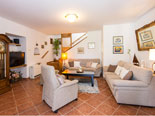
x=76 y=41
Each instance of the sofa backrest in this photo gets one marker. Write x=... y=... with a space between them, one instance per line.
x=121 y=63
x=142 y=74
x=124 y=64
x=83 y=62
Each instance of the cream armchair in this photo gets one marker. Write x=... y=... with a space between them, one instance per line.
x=55 y=94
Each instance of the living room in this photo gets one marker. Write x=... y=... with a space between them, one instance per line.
x=92 y=46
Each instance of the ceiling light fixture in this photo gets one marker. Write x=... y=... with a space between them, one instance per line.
x=71 y=17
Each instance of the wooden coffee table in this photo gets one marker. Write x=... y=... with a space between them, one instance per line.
x=74 y=73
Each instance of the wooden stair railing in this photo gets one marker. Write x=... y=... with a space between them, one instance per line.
x=76 y=43
x=44 y=54
x=78 y=38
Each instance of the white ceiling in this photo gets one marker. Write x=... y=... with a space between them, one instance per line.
x=47 y=16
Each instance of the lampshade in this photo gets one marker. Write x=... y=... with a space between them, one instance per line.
x=152 y=54
x=64 y=56
x=71 y=17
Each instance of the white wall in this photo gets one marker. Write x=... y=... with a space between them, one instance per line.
x=125 y=30
x=32 y=37
x=147 y=18
x=93 y=36
x=128 y=33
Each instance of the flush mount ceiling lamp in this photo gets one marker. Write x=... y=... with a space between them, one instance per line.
x=71 y=17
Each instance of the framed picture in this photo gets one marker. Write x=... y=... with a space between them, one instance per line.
x=51 y=40
x=42 y=46
x=45 y=42
x=148 y=44
x=118 y=49
x=146 y=37
x=80 y=50
x=117 y=39
x=91 y=45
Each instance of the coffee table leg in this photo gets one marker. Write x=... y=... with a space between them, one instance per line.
x=67 y=77
x=92 y=81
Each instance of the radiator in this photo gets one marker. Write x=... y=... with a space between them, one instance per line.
x=34 y=70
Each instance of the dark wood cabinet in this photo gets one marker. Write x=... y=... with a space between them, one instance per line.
x=4 y=64
x=54 y=64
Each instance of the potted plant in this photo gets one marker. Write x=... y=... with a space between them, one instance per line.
x=56 y=48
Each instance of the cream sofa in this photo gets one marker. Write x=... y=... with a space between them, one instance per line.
x=140 y=90
x=83 y=62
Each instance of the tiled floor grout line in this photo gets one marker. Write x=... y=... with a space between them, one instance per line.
x=15 y=100
x=138 y=110
x=102 y=103
x=74 y=108
x=31 y=100
x=116 y=110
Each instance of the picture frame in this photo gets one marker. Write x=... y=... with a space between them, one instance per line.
x=45 y=42
x=42 y=46
x=51 y=40
x=80 y=50
x=117 y=40
x=145 y=37
x=148 y=44
x=91 y=45
x=118 y=49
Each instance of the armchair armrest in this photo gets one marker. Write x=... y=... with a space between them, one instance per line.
x=105 y=68
x=128 y=83
x=68 y=83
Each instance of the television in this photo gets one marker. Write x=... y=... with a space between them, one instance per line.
x=17 y=58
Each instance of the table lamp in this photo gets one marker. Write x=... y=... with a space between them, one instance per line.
x=64 y=57
x=152 y=57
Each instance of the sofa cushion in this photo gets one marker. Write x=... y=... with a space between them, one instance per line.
x=141 y=74
x=76 y=64
x=73 y=68
x=94 y=65
x=118 y=70
x=123 y=73
x=88 y=64
x=114 y=76
x=71 y=64
x=128 y=76
x=121 y=63
x=128 y=83
x=88 y=69
x=112 y=68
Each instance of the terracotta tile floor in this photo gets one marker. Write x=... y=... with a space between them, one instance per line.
x=25 y=99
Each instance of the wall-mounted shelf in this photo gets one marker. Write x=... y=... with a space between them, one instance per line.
x=15 y=44
x=36 y=54
x=24 y=65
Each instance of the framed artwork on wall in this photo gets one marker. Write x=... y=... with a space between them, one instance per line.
x=45 y=42
x=80 y=50
x=91 y=45
x=118 y=49
x=118 y=40
x=51 y=40
x=42 y=46
x=146 y=37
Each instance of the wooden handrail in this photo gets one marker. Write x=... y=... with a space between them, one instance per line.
x=44 y=54
x=76 y=43
x=78 y=38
